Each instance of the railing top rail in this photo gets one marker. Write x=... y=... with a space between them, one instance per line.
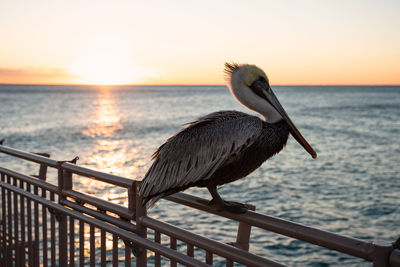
x=30 y=180
x=99 y=203
x=28 y=156
x=100 y=176
x=97 y=175
x=124 y=224
x=345 y=244
x=224 y=250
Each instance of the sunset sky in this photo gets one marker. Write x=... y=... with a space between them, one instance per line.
x=187 y=42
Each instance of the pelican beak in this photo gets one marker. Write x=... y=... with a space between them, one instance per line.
x=269 y=95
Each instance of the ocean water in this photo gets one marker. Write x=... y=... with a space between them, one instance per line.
x=352 y=188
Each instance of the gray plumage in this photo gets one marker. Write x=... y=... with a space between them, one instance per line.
x=218 y=148
x=223 y=146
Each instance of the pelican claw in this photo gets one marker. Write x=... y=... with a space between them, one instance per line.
x=230 y=206
x=235 y=207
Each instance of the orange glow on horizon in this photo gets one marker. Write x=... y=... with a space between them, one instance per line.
x=317 y=43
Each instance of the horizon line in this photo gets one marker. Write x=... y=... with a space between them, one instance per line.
x=177 y=84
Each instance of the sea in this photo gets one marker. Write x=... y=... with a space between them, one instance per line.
x=352 y=188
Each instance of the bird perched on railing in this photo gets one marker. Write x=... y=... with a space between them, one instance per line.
x=223 y=146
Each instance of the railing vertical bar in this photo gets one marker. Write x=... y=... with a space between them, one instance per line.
x=115 y=251
x=209 y=257
x=229 y=263
x=141 y=259
x=8 y=225
x=81 y=244
x=190 y=250
x=157 y=257
x=53 y=234
x=127 y=256
x=173 y=246
x=16 y=224
x=62 y=241
x=3 y=230
x=36 y=250
x=29 y=224
x=131 y=207
x=44 y=231
x=9 y=228
x=381 y=254
x=63 y=181
x=3 y=220
x=71 y=242
x=132 y=198
x=243 y=233
x=42 y=176
x=36 y=253
x=103 y=247
x=22 y=218
x=92 y=247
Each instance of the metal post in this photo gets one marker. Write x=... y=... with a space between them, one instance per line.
x=243 y=233
x=380 y=254
x=132 y=198
x=64 y=182
x=395 y=258
x=242 y=237
x=43 y=167
x=141 y=259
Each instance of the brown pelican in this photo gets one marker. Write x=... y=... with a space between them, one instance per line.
x=223 y=146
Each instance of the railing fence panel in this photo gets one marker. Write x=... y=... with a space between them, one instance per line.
x=45 y=224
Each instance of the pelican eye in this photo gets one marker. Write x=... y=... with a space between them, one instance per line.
x=258 y=85
x=262 y=79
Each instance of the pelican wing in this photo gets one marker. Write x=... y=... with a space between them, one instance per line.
x=197 y=151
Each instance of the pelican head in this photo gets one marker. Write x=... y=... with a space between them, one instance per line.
x=250 y=86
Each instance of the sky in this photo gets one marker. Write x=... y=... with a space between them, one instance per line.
x=187 y=42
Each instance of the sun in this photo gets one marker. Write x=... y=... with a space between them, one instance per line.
x=105 y=68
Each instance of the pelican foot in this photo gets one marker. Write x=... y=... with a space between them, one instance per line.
x=235 y=207
x=230 y=206
x=212 y=202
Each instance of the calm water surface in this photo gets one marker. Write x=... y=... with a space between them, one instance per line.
x=352 y=188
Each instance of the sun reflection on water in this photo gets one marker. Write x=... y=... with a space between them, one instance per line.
x=111 y=153
x=107 y=120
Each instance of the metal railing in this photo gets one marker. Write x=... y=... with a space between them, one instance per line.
x=44 y=224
